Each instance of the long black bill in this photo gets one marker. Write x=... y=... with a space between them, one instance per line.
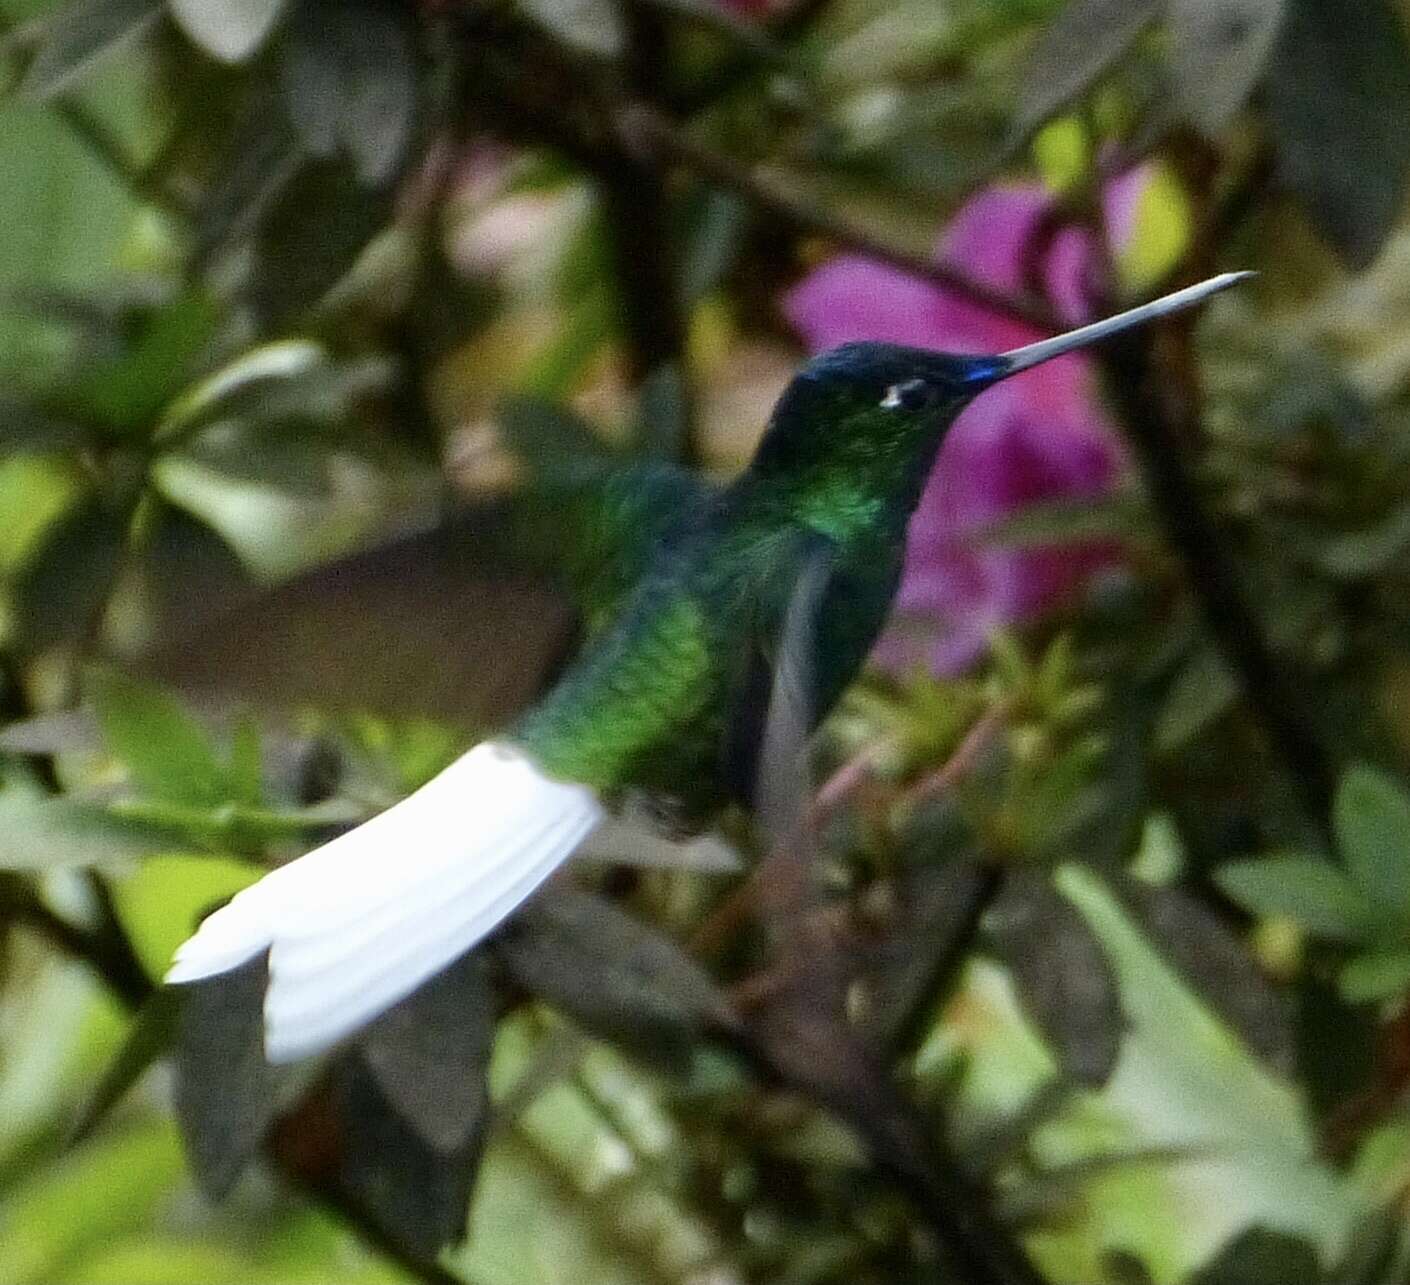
x=1010 y=363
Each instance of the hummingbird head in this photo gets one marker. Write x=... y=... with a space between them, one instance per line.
x=859 y=426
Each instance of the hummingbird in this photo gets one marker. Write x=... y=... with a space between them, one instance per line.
x=691 y=585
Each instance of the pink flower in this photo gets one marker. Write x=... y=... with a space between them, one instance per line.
x=1039 y=436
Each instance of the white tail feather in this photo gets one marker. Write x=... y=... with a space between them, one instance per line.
x=356 y=925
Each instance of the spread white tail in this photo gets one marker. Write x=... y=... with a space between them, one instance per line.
x=358 y=924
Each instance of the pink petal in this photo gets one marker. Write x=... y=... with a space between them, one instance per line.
x=851 y=297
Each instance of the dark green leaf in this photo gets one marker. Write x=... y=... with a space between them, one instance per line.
x=1375 y=976
x=1312 y=892
x=28 y=428
x=1219 y=49
x=350 y=82
x=1216 y=962
x=556 y=443
x=1203 y=689
x=1263 y=1257
x=152 y=1032
x=663 y=413
x=42 y=832
x=612 y=974
x=430 y=1054
x=1339 y=94
x=60 y=593
x=1369 y=552
x=743 y=29
x=902 y=973
x=310 y=236
x=1074 y=51
x=167 y=752
x=418 y=1195
x=714 y=244
x=593 y=26
x=131 y=392
x=1371 y=817
x=188 y=573
x=79 y=34
x=224 y=1087
x=262 y=155
x=230 y=30
x=1063 y=980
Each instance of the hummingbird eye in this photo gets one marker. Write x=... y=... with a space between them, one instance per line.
x=911 y=396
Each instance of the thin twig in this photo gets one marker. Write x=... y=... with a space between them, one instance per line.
x=961 y=762
x=648 y=132
x=100 y=141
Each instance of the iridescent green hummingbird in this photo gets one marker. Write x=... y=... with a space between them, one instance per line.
x=666 y=699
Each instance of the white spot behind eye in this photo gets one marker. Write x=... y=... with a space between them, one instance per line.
x=911 y=395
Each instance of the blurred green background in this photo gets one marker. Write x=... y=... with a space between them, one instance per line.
x=305 y=308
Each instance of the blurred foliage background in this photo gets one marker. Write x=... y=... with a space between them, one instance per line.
x=305 y=308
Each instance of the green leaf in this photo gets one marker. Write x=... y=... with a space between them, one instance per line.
x=230 y=30
x=715 y=241
x=261 y=155
x=62 y=590
x=663 y=413
x=1060 y=974
x=24 y=427
x=350 y=82
x=46 y=833
x=1339 y=97
x=1219 y=49
x=1213 y=958
x=1375 y=976
x=167 y=752
x=161 y=901
x=611 y=973
x=148 y=1038
x=87 y=1200
x=592 y=26
x=1260 y=1256
x=309 y=236
x=78 y=36
x=1074 y=51
x=1312 y=892
x=230 y=391
x=1202 y=690
x=246 y=765
x=418 y=1195
x=224 y=1087
x=430 y=1054
x=1371 y=818
x=557 y=443
x=131 y=392
x=1369 y=552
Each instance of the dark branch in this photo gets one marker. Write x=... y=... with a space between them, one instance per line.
x=649 y=133
x=1161 y=417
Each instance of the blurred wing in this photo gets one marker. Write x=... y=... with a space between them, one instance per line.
x=777 y=700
